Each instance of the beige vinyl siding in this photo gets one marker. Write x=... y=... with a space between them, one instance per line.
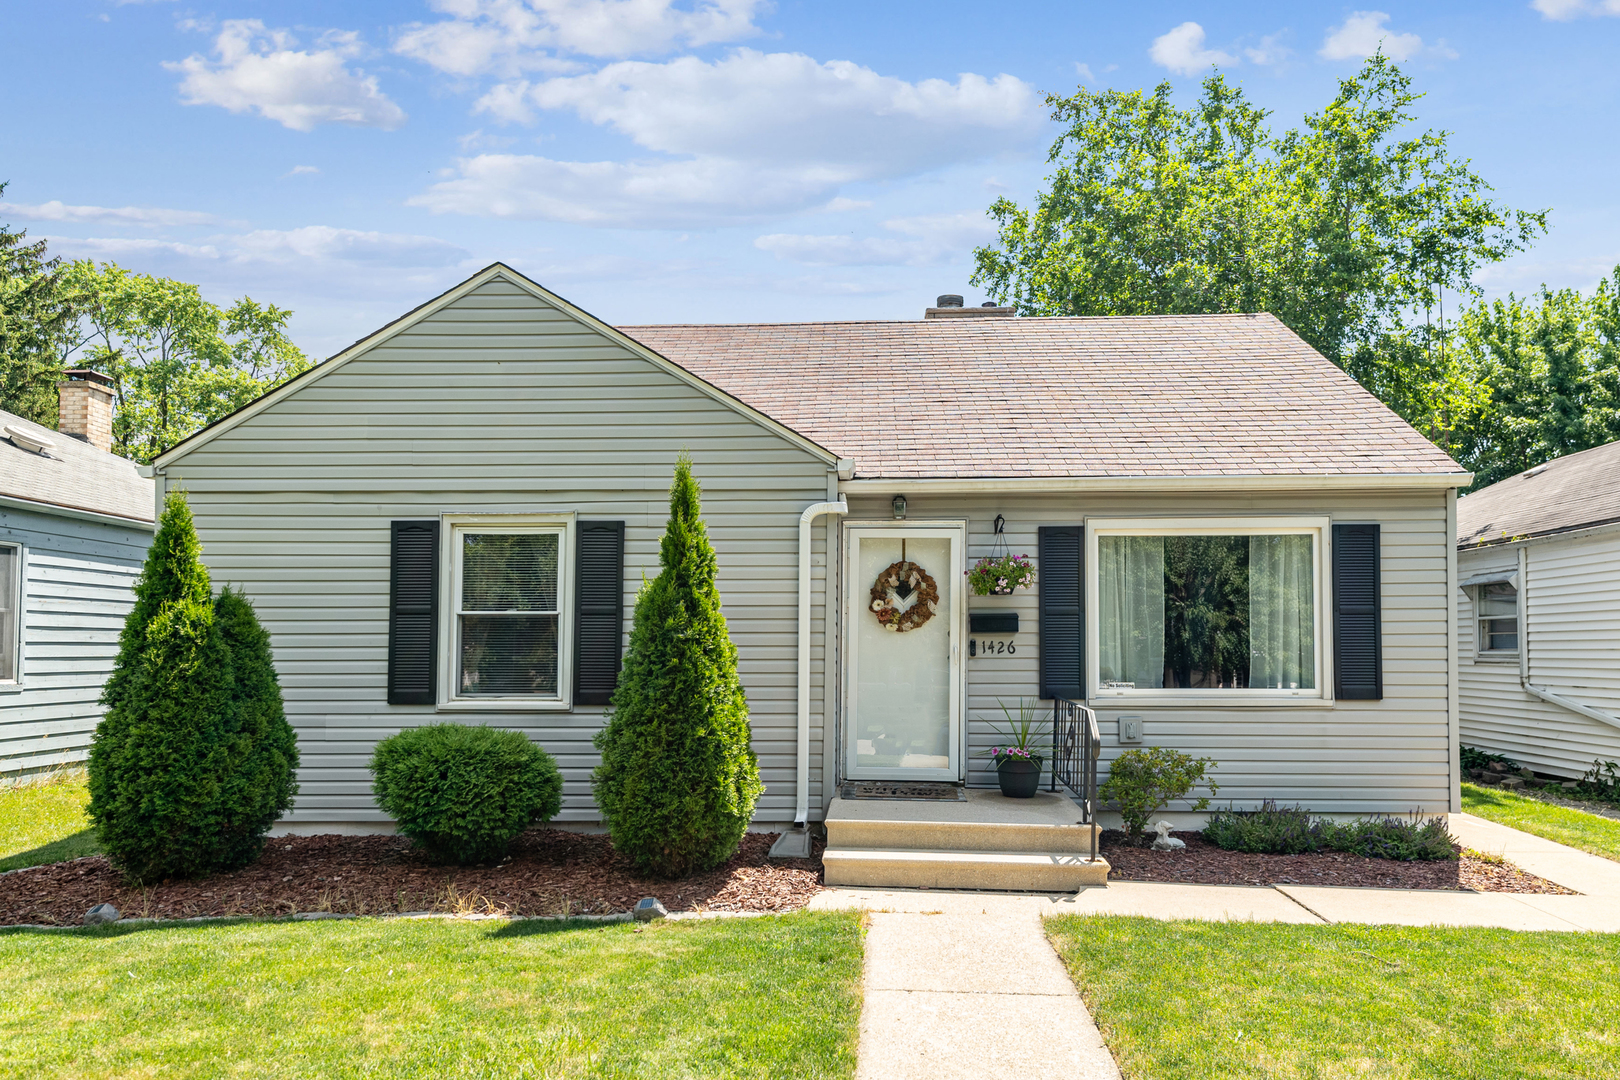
x=1574 y=641
x=1387 y=756
x=497 y=403
x=76 y=576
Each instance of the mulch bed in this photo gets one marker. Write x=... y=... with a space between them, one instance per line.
x=550 y=872
x=1202 y=863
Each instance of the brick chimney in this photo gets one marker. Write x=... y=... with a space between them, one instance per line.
x=86 y=402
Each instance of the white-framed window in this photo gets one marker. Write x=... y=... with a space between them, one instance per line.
x=11 y=604
x=509 y=612
x=1207 y=610
x=1496 y=619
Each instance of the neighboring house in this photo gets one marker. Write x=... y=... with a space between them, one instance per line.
x=450 y=519
x=1539 y=613
x=75 y=523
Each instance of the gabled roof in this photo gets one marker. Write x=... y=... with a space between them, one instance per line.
x=492 y=272
x=1204 y=396
x=72 y=476
x=1577 y=491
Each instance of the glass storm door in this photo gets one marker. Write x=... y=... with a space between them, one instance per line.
x=902 y=649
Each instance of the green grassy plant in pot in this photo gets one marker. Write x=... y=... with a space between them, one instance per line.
x=1018 y=760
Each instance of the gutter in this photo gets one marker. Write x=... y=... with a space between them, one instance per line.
x=77 y=512
x=1524 y=655
x=797 y=844
x=1291 y=482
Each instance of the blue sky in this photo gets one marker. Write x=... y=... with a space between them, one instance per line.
x=701 y=160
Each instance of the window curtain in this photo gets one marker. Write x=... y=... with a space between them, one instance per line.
x=1282 y=645
x=1130 y=595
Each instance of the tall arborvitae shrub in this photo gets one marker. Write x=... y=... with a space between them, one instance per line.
x=193 y=761
x=678 y=779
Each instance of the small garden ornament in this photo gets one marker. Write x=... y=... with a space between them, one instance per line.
x=1166 y=842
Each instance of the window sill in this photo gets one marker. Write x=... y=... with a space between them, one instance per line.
x=1208 y=701
x=1496 y=658
x=505 y=705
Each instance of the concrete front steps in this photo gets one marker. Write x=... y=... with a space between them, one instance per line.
x=987 y=842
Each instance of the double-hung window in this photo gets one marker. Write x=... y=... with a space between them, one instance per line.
x=1496 y=618
x=1214 y=609
x=10 y=613
x=511 y=612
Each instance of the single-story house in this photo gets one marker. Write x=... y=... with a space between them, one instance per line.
x=1539 y=613
x=1240 y=552
x=75 y=523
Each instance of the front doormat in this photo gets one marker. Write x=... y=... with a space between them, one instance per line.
x=908 y=790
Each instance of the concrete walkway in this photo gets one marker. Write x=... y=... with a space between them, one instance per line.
x=965 y=985
x=959 y=983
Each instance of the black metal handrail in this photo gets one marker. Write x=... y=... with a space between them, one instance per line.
x=1076 y=746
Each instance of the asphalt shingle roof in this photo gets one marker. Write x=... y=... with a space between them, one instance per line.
x=1571 y=492
x=71 y=474
x=1199 y=395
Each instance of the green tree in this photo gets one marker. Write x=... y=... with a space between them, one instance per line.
x=193 y=761
x=37 y=310
x=678 y=779
x=178 y=362
x=1348 y=233
x=1547 y=377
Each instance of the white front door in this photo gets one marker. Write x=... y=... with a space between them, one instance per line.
x=902 y=649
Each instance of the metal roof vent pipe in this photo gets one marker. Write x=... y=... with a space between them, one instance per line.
x=949 y=306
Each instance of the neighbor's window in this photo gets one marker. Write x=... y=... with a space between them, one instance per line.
x=508 y=611
x=1211 y=611
x=1496 y=607
x=10 y=616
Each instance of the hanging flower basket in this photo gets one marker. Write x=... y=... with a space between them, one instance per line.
x=1001 y=575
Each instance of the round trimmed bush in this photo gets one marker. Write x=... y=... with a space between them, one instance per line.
x=464 y=793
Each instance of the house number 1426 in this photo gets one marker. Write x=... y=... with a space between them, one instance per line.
x=980 y=647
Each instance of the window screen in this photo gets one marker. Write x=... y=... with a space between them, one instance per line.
x=1497 y=607
x=508 y=614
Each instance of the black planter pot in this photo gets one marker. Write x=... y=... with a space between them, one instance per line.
x=1020 y=778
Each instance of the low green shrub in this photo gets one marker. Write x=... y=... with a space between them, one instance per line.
x=1271 y=830
x=1406 y=839
x=1143 y=782
x=1602 y=780
x=462 y=793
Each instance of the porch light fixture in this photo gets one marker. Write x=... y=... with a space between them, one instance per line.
x=899 y=505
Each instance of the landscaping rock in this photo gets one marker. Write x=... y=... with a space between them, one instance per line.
x=1512 y=782
x=100 y=914
x=648 y=908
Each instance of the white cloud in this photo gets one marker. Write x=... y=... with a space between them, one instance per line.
x=1364 y=33
x=1270 y=51
x=304 y=170
x=1182 y=51
x=510 y=36
x=933 y=239
x=758 y=134
x=841 y=204
x=56 y=210
x=1565 y=10
x=311 y=243
x=1084 y=71
x=263 y=71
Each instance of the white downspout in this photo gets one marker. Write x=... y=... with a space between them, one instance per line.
x=1524 y=654
x=801 y=813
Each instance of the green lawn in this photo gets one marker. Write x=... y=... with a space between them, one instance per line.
x=1199 y=1000
x=777 y=996
x=42 y=821
x=1578 y=829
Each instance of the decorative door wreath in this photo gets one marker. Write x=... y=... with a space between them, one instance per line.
x=904 y=597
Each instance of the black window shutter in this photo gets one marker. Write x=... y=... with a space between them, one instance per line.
x=1358 y=653
x=413 y=613
x=598 y=610
x=1060 y=574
